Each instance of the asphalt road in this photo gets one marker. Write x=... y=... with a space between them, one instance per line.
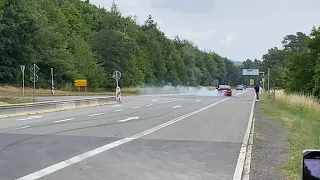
x=145 y=137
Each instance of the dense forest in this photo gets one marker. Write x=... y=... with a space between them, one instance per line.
x=80 y=40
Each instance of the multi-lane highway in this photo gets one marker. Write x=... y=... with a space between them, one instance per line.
x=145 y=137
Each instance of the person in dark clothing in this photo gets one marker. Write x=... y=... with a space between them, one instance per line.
x=257 y=89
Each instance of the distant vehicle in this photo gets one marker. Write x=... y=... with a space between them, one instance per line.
x=225 y=89
x=239 y=87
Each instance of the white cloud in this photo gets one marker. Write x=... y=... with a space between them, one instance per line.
x=255 y=25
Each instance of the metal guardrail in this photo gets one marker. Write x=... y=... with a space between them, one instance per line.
x=52 y=106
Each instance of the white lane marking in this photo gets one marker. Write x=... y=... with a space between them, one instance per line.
x=83 y=156
x=240 y=93
x=30 y=117
x=136 y=107
x=118 y=110
x=243 y=150
x=171 y=101
x=154 y=100
x=95 y=114
x=118 y=105
x=63 y=120
x=25 y=127
x=199 y=100
x=128 y=119
x=176 y=106
x=246 y=170
x=149 y=105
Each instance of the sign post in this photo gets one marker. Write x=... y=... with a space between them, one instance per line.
x=117 y=75
x=52 y=83
x=34 y=78
x=22 y=67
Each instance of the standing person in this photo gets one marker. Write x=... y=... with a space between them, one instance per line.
x=257 y=88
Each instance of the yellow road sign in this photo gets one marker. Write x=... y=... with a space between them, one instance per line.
x=251 y=82
x=80 y=82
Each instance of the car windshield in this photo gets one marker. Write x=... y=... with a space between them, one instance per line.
x=224 y=87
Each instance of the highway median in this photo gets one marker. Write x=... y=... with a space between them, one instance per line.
x=11 y=110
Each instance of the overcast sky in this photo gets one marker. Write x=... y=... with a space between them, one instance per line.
x=236 y=29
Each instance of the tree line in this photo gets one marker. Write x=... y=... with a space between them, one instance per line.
x=295 y=66
x=81 y=40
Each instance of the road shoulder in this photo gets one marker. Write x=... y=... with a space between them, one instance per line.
x=269 y=147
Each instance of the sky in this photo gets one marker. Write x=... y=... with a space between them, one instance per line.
x=235 y=29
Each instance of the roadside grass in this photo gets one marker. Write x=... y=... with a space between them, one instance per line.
x=14 y=91
x=300 y=114
x=4 y=101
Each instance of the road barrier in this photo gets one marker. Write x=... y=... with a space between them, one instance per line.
x=52 y=106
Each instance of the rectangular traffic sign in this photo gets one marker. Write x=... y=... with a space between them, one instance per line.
x=80 y=84
x=80 y=81
x=248 y=72
x=251 y=82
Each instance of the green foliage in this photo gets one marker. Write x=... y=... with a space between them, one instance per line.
x=296 y=67
x=80 y=40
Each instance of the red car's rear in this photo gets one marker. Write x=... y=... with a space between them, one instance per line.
x=225 y=89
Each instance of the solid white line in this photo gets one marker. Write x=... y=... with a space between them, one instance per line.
x=149 y=105
x=81 y=157
x=128 y=119
x=135 y=107
x=243 y=150
x=118 y=110
x=246 y=170
x=171 y=101
x=176 y=106
x=30 y=117
x=95 y=114
x=116 y=105
x=64 y=120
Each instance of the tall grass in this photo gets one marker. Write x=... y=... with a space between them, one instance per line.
x=300 y=114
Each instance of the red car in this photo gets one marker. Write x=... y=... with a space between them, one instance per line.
x=225 y=89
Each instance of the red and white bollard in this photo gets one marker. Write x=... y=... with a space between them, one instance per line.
x=118 y=94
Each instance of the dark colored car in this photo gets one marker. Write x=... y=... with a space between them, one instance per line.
x=225 y=89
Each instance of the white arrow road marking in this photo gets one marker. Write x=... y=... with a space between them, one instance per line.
x=199 y=100
x=30 y=117
x=95 y=114
x=64 y=120
x=171 y=101
x=176 y=106
x=128 y=119
x=118 y=110
x=116 y=105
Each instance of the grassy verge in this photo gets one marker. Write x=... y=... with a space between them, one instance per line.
x=301 y=116
x=13 y=91
x=4 y=101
